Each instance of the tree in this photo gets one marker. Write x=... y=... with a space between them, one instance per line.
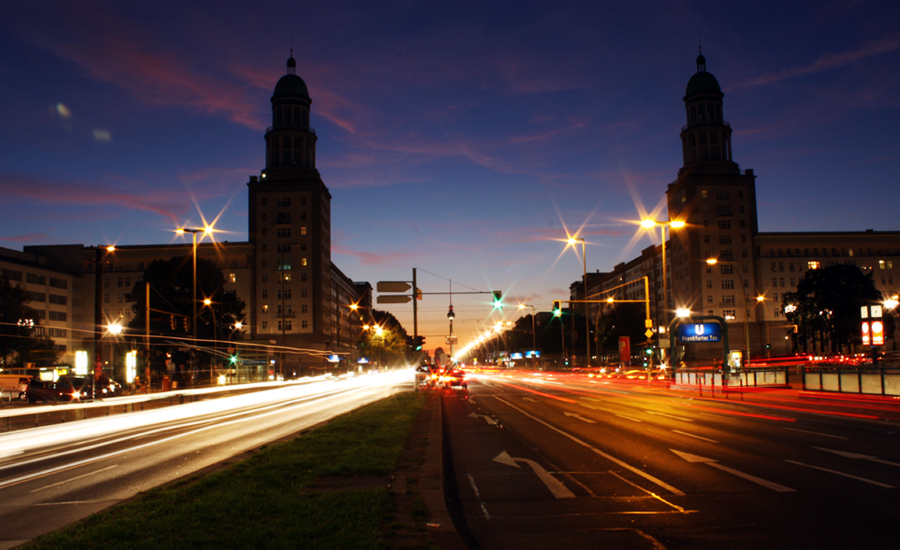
x=826 y=306
x=17 y=321
x=386 y=339
x=617 y=320
x=171 y=300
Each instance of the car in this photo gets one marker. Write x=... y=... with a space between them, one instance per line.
x=67 y=389
x=13 y=386
x=454 y=377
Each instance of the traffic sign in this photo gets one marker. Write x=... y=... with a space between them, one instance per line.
x=393 y=286
x=393 y=299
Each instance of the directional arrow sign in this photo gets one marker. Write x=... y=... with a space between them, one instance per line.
x=558 y=489
x=712 y=462
x=579 y=417
x=487 y=418
x=392 y=286
x=857 y=456
x=393 y=299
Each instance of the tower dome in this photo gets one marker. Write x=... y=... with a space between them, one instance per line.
x=290 y=85
x=702 y=82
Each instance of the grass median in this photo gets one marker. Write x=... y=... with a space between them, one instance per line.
x=284 y=496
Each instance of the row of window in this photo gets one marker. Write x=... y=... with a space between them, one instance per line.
x=282 y=232
x=17 y=276
x=722 y=194
x=837 y=252
x=285 y=324
x=281 y=202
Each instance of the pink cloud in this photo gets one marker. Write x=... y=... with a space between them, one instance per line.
x=371 y=258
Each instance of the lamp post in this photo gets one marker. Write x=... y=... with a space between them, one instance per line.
x=206 y=231
x=673 y=224
x=208 y=303
x=98 y=305
x=759 y=299
x=115 y=329
x=533 y=340
x=587 y=316
x=451 y=316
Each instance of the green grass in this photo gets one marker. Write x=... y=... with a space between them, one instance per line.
x=261 y=503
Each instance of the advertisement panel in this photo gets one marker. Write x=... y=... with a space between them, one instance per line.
x=625 y=350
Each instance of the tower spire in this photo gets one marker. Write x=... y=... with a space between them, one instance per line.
x=291 y=64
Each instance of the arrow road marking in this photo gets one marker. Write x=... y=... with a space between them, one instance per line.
x=579 y=417
x=712 y=462
x=487 y=418
x=558 y=489
x=878 y=483
x=670 y=416
x=816 y=433
x=857 y=456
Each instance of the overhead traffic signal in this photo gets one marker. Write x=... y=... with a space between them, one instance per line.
x=557 y=311
x=498 y=300
x=420 y=341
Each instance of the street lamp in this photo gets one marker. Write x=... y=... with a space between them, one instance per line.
x=533 y=340
x=206 y=231
x=673 y=224
x=587 y=317
x=759 y=299
x=451 y=316
x=208 y=303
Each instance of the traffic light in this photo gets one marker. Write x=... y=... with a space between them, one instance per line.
x=186 y=327
x=234 y=359
x=498 y=300
x=420 y=341
x=557 y=311
x=172 y=321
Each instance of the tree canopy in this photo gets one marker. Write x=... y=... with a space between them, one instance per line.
x=171 y=300
x=18 y=344
x=826 y=305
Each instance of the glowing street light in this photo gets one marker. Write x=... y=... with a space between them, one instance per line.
x=759 y=299
x=673 y=224
x=533 y=340
x=587 y=316
x=206 y=231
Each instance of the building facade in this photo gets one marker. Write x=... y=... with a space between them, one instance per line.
x=297 y=301
x=717 y=200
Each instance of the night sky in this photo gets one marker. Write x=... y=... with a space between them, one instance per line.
x=465 y=139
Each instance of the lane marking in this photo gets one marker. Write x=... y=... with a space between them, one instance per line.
x=478 y=496
x=816 y=433
x=654 y=495
x=695 y=436
x=628 y=418
x=74 y=478
x=579 y=417
x=556 y=487
x=670 y=416
x=851 y=476
x=487 y=418
x=712 y=462
x=857 y=456
x=587 y=445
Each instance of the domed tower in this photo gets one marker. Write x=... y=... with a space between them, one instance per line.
x=718 y=203
x=706 y=139
x=290 y=228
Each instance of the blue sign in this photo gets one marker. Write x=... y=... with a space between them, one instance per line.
x=533 y=354
x=700 y=332
x=515 y=356
x=333 y=358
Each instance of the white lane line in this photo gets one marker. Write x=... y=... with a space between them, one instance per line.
x=587 y=445
x=695 y=436
x=816 y=433
x=478 y=496
x=628 y=418
x=74 y=478
x=851 y=476
x=670 y=416
x=712 y=462
x=579 y=417
x=857 y=456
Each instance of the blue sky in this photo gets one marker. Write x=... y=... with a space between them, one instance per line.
x=461 y=138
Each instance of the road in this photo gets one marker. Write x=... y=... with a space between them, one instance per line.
x=53 y=476
x=568 y=461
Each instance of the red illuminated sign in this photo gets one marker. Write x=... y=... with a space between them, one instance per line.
x=866 y=340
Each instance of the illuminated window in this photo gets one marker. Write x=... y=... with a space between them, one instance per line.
x=265 y=309
x=233 y=277
x=814 y=265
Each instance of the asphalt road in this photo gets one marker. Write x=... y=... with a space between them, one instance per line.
x=53 y=476
x=570 y=462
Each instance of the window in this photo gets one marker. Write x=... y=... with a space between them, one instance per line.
x=814 y=265
x=12 y=274
x=709 y=299
x=285 y=294
x=724 y=224
x=264 y=263
x=703 y=193
x=709 y=283
x=728 y=299
x=35 y=279
x=284 y=248
x=303 y=293
x=57 y=315
x=728 y=313
x=728 y=284
x=303 y=230
x=264 y=294
x=726 y=269
x=265 y=232
x=722 y=195
x=232 y=277
x=285 y=324
x=304 y=324
x=303 y=262
x=284 y=202
x=265 y=325
x=265 y=278
x=303 y=308
x=781 y=267
x=303 y=277
x=265 y=217
x=285 y=232
x=781 y=280
x=58 y=300
x=283 y=218
x=706 y=239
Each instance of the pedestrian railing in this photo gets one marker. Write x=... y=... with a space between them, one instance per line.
x=864 y=380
